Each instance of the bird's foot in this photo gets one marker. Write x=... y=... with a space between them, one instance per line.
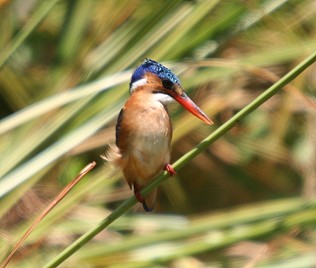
x=170 y=170
x=141 y=200
x=139 y=197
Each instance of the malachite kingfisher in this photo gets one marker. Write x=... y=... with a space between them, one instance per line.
x=143 y=129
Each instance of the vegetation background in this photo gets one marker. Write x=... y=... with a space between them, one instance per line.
x=247 y=201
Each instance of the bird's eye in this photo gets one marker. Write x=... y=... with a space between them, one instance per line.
x=167 y=83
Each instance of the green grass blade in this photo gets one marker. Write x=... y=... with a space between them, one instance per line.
x=61 y=99
x=38 y=16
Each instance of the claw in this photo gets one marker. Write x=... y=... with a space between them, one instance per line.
x=139 y=197
x=170 y=170
x=142 y=200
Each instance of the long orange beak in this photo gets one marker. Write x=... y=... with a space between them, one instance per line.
x=188 y=104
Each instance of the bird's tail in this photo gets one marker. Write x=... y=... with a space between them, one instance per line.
x=114 y=160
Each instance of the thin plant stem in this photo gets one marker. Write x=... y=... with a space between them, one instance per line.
x=58 y=198
x=129 y=203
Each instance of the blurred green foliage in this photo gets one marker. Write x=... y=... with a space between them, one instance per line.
x=64 y=74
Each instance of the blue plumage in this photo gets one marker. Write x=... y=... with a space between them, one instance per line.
x=154 y=67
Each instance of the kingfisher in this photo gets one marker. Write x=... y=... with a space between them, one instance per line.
x=143 y=130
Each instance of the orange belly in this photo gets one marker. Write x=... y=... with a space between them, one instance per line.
x=143 y=140
x=147 y=157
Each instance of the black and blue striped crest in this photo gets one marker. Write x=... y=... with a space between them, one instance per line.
x=156 y=68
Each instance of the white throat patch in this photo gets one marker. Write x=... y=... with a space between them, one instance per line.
x=163 y=98
x=137 y=84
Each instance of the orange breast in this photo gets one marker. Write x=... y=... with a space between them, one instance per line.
x=144 y=138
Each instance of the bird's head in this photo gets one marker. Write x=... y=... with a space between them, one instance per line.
x=165 y=86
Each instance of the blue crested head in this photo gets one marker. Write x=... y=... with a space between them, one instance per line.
x=156 y=68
